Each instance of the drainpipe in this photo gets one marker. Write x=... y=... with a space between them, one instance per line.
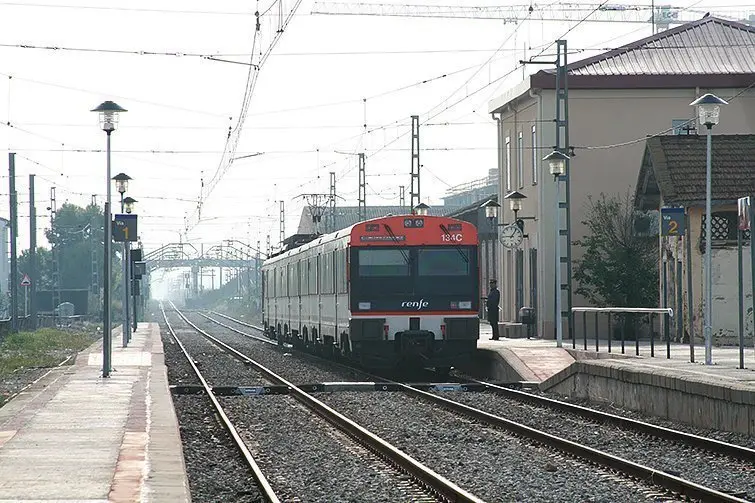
x=539 y=243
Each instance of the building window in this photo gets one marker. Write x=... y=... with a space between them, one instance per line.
x=520 y=160
x=723 y=229
x=683 y=126
x=535 y=162
x=508 y=164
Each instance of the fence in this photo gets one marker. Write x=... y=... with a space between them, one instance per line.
x=628 y=317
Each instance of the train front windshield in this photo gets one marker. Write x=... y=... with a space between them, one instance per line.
x=389 y=276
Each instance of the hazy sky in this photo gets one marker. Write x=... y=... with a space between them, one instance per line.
x=309 y=96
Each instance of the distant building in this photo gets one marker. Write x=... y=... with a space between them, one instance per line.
x=469 y=193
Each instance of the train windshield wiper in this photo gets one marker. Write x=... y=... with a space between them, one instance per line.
x=395 y=240
x=458 y=248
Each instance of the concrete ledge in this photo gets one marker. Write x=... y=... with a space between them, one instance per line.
x=499 y=365
x=694 y=398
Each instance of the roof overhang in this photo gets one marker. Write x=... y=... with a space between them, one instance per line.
x=547 y=80
x=499 y=103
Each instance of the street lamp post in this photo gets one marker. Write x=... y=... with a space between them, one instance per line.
x=708 y=110
x=108 y=117
x=557 y=163
x=128 y=207
x=121 y=185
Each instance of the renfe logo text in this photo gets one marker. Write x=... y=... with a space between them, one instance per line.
x=418 y=304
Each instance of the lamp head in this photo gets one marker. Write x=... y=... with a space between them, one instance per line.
x=108 y=113
x=491 y=209
x=121 y=182
x=557 y=163
x=421 y=209
x=515 y=200
x=708 y=109
x=128 y=204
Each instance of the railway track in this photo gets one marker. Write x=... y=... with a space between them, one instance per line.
x=263 y=485
x=669 y=481
x=434 y=486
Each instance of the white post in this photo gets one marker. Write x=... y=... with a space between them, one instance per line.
x=707 y=311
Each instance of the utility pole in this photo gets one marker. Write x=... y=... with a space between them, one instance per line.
x=414 y=194
x=562 y=133
x=332 y=201
x=362 y=189
x=13 y=234
x=32 y=256
x=401 y=196
x=55 y=258
x=282 y=225
x=268 y=245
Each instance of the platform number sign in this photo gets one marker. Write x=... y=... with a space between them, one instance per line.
x=124 y=228
x=672 y=221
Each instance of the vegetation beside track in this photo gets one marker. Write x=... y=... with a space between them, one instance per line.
x=45 y=347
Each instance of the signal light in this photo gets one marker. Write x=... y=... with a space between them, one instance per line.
x=385 y=331
x=443 y=330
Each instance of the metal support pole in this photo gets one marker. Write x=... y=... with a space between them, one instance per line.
x=664 y=325
x=13 y=238
x=33 y=256
x=740 y=300
x=557 y=319
x=707 y=311
x=362 y=189
x=690 y=299
x=679 y=303
x=752 y=257
x=124 y=258
x=107 y=325
x=414 y=194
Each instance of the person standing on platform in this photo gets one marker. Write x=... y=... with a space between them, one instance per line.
x=494 y=298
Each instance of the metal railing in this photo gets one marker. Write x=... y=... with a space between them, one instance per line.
x=628 y=315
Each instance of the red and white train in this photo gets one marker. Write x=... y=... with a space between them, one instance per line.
x=388 y=292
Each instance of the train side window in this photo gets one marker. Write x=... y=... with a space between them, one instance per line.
x=293 y=279
x=312 y=273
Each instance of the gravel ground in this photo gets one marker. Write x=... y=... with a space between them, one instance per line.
x=304 y=458
x=13 y=383
x=279 y=361
x=302 y=455
x=224 y=370
x=692 y=464
x=215 y=470
x=724 y=436
x=488 y=462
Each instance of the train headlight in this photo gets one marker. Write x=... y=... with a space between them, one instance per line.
x=365 y=306
x=467 y=304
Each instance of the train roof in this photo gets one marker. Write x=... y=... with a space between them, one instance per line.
x=326 y=238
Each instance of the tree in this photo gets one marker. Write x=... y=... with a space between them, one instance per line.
x=77 y=235
x=44 y=267
x=619 y=268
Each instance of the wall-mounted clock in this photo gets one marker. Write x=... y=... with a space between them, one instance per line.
x=511 y=236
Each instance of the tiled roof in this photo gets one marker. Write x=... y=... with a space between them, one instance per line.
x=349 y=215
x=674 y=166
x=708 y=46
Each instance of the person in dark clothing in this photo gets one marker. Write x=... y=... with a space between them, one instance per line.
x=494 y=298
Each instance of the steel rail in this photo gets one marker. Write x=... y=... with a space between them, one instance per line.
x=256 y=337
x=237 y=321
x=432 y=480
x=264 y=486
x=670 y=482
x=641 y=472
x=709 y=444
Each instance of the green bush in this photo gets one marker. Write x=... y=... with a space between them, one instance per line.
x=46 y=347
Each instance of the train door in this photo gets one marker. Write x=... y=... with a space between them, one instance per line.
x=319 y=294
x=299 y=292
x=336 y=260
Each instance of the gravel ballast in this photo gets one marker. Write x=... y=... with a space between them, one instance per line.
x=303 y=457
x=488 y=462
x=215 y=470
x=678 y=459
x=280 y=361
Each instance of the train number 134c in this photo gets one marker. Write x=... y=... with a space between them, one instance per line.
x=448 y=238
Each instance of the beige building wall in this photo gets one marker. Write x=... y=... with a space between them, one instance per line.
x=608 y=130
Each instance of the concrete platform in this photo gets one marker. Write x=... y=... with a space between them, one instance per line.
x=719 y=396
x=74 y=436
